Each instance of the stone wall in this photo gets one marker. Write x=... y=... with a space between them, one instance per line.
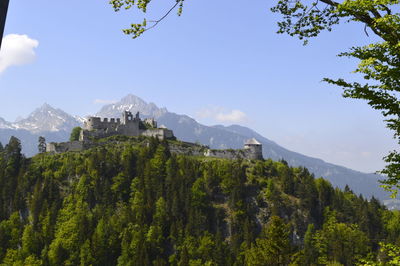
x=187 y=148
x=184 y=148
x=197 y=150
x=229 y=154
x=98 y=128
x=66 y=146
x=254 y=152
x=160 y=133
x=95 y=123
x=87 y=135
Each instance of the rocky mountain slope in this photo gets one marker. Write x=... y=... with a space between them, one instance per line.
x=133 y=104
x=55 y=125
x=47 y=119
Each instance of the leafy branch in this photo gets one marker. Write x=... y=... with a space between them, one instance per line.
x=137 y=29
x=379 y=63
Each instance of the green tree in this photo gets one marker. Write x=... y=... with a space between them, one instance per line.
x=103 y=247
x=76 y=131
x=310 y=252
x=208 y=213
x=10 y=178
x=340 y=242
x=378 y=62
x=31 y=242
x=13 y=149
x=273 y=247
x=389 y=255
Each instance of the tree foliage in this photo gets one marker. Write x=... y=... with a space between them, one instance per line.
x=378 y=62
x=273 y=246
x=76 y=131
x=137 y=29
x=132 y=202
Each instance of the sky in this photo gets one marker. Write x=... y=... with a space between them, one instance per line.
x=221 y=62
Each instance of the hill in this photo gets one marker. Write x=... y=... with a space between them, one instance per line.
x=56 y=125
x=133 y=202
x=220 y=137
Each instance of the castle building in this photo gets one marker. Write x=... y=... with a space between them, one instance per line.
x=130 y=125
x=133 y=126
x=96 y=128
x=252 y=151
x=255 y=148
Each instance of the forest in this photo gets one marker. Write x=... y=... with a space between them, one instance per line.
x=131 y=201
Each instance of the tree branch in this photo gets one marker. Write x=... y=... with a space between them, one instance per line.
x=163 y=17
x=331 y=3
x=388 y=11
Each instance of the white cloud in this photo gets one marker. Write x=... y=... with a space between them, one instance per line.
x=17 y=50
x=233 y=116
x=366 y=154
x=221 y=115
x=101 y=101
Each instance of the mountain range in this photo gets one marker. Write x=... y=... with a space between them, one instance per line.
x=56 y=125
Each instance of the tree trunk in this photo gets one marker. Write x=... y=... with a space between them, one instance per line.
x=3 y=15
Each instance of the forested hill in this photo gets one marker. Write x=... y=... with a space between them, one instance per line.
x=132 y=202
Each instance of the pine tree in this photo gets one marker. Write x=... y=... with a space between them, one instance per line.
x=273 y=247
x=310 y=252
x=76 y=131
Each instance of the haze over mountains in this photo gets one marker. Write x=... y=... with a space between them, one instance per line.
x=55 y=125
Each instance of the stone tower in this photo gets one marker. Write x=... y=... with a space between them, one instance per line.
x=127 y=117
x=254 y=148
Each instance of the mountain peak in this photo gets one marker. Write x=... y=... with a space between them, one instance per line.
x=132 y=98
x=4 y=123
x=45 y=109
x=42 y=109
x=46 y=106
x=134 y=104
x=47 y=118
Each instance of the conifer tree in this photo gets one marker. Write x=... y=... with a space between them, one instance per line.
x=273 y=247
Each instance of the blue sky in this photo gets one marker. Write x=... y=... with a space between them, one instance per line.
x=221 y=63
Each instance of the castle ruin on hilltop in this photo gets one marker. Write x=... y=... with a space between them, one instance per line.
x=132 y=126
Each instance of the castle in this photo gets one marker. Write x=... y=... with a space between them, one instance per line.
x=97 y=128
x=130 y=125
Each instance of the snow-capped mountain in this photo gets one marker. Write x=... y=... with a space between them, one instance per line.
x=51 y=123
x=5 y=124
x=47 y=119
x=133 y=104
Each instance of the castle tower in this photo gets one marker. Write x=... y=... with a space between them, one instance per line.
x=255 y=149
x=92 y=123
x=127 y=117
